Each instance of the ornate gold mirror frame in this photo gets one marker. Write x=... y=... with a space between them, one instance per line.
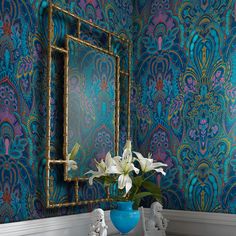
x=50 y=163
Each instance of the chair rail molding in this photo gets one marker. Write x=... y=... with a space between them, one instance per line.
x=181 y=223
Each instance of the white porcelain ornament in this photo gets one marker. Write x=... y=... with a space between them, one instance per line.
x=156 y=222
x=98 y=226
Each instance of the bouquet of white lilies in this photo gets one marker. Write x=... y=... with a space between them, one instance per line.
x=131 y=173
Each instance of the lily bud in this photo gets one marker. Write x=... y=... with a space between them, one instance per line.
x=128 y=145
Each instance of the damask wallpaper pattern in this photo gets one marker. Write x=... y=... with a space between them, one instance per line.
x=23 y=61
x=183 y=99
x=184 y=54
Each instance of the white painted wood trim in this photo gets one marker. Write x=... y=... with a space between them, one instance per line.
x=44 y=226
x=181 y=223
x=63 y=225
x=192 y=223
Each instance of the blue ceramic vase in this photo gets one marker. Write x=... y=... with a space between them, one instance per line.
x=124 y=218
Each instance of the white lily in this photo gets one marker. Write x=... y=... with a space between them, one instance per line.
x=127 y=150
x=123 y=166
x=148 y=164
x=72 y=165
x=103 y=168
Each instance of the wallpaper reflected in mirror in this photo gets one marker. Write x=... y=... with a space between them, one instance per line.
x=91 y=105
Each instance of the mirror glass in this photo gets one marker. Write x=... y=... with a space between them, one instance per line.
x=92 y=105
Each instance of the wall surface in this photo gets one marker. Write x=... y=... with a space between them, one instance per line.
x=185 y=99
x=23 y=55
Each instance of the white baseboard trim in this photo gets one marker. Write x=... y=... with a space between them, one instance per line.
x=71 y=225
x=181 y=223
x=192 y=223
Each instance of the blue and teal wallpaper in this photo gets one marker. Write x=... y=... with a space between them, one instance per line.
x=23 y=63
x=185 y=98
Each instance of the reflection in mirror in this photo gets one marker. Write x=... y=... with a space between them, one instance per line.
x=62 y=25
x=92 y=115
x=56 y=119
x=93 y=36
x=124 y=86
x=120 y=48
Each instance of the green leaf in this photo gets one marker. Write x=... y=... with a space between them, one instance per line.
x=152 y=188
x=137 y=198
x=141 y=195
x=137 y=181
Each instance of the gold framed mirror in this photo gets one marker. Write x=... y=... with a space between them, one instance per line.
x=120 y=70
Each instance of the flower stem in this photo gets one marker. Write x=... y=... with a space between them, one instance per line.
x=149 y=176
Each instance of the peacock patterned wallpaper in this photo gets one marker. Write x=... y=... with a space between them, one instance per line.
x=183 y=99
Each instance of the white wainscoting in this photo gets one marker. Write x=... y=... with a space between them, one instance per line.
x=182 y=223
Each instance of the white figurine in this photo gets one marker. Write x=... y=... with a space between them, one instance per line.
x=156 y=221
x=98 y=226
